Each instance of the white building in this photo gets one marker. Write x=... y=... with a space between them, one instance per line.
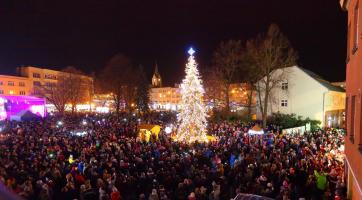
x=306 y=94
x=165 y=98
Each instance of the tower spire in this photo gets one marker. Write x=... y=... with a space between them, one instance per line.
x=156 y=78
x=156 y=67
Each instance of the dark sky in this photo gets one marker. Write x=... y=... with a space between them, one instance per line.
x=85 y=34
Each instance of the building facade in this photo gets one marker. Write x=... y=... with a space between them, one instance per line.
x=353 y=139
x=40 y=78
x=165 y=98
x=168 y=98
x=14 y=85
x=301 y=92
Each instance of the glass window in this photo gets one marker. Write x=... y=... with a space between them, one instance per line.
x=21 y=84
x=50 y=76
x=1 y=91
x=356 y=27
x=1 y=83
x=36 y=83
x=284 y=103
x=22 y=92
x=348 y=42
x=11 y=83
x=353 y=111
x=36 y=75
x=285 y=86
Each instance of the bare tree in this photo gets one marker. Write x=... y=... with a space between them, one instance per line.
x=76 y=86
x=118 y=78
x=250 y=76
x=270 y=52
x=227 y=60
x=213 y=88
x=142 y=92
x=56 y=93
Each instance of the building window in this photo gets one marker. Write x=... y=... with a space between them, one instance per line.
x=353 y=111
x=284 y=103
x=11 y=92
x=285 y=86
x=11 y=83
x=346 y=110
x=22 y=92
x=36 y=92
x=1 y=91
x=36 y=83
x=49 y=84
x=36 y=75
x=50 y=76
x=1 y=83
x=355 y=27
x=348 y=42
x=21 y=84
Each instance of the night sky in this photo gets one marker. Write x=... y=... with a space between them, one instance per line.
x=86 y=34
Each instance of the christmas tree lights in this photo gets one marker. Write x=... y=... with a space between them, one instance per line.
x=192 y=117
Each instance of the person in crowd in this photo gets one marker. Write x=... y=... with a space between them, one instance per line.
x=103 y=159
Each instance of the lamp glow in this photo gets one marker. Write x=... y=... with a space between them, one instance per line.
x=168 y=130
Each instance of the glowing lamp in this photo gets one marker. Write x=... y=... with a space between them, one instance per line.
x=168 y=130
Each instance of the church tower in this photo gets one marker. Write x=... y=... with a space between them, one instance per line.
x=156 y=78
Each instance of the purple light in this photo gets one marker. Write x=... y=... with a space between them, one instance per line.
x=12 y=105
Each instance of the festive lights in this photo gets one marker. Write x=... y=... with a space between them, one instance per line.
x=192 y=117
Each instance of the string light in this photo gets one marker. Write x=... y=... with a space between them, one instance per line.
x=192 y=117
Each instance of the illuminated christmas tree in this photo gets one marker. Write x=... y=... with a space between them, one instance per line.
x=192 y=117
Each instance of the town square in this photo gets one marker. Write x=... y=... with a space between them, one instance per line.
x=184 y=100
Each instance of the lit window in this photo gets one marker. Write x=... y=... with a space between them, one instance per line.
x=284 y=103
x=11 y=92
x=21 y=84
x=50 y=76
x=10 y=83
x=285 y=86
x=36 y=83
x=22 y=92
x=36 y=75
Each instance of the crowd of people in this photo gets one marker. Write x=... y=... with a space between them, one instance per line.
x=99 y=157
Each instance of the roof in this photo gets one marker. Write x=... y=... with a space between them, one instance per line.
x=22 y=98
x=13 y=77
x=322 y=81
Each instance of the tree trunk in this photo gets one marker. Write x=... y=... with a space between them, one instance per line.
x=117 y=106
x=250 y=102
x=227 y=98
x=73 y=108
x=60 y=110
x=266 y=99
x=260 y=104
